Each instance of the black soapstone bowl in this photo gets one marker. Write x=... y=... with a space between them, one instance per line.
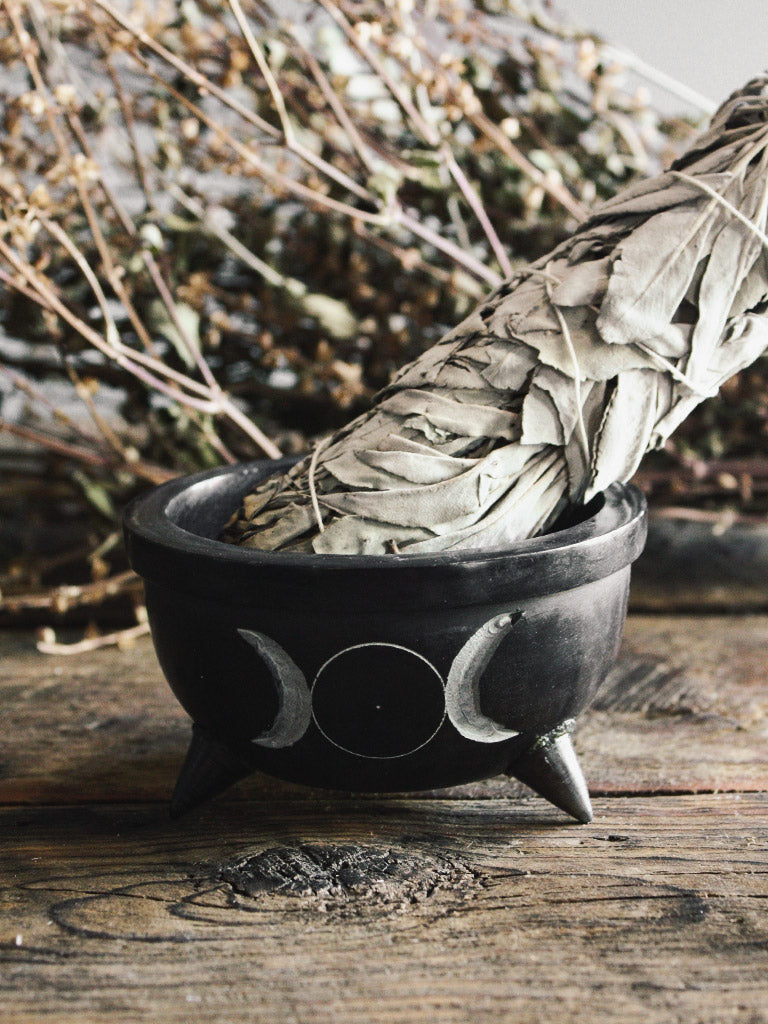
x=380 y=673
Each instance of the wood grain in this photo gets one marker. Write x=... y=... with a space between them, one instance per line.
x=685 y=710
x=282 y=904
x=655 y=913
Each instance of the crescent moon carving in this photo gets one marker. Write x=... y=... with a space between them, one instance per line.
x=294 y=711
x=462 y=690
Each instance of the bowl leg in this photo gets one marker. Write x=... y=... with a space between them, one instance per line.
x=550 y=767
x=209 y=768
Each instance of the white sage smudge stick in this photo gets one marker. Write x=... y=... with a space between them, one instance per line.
x=562 y=379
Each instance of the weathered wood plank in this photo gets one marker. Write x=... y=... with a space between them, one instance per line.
x=96 y=726
x=448 y=910
x=686 y=710
x=693 y=566
x=468 y=910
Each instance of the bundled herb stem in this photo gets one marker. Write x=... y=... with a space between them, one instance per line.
x=562 y=379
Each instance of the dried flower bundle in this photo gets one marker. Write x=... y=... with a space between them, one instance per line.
x=222 y=230
x=561 y=380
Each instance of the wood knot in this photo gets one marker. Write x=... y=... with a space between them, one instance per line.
x=372 y=874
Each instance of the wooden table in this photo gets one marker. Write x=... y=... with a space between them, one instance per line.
x=281 y=904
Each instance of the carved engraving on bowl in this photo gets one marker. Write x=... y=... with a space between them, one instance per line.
x=382 y=700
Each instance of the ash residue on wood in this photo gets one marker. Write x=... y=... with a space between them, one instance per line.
x=374 y=874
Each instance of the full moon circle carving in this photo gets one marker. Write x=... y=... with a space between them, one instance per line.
x=378 y=700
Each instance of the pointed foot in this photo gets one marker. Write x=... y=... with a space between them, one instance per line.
x=550 y=767
x=209 y=768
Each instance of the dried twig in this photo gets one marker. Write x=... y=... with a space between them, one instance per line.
x=47 y=644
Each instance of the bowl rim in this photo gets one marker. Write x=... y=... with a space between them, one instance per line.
x=164 y=552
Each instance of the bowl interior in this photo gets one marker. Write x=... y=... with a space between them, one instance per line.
x=204 y=508
x=172 y=539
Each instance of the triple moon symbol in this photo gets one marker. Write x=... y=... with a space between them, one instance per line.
x=462 y=690
x=294 y=709
x=402 y=690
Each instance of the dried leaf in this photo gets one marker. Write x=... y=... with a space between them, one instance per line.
x=352 y=535
x=623 y=437
x=655 y=265
x=584 y=283
x=733 y=254
x=448 y=415
x=163 y=324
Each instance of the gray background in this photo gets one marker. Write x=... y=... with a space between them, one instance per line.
x=714 y=46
